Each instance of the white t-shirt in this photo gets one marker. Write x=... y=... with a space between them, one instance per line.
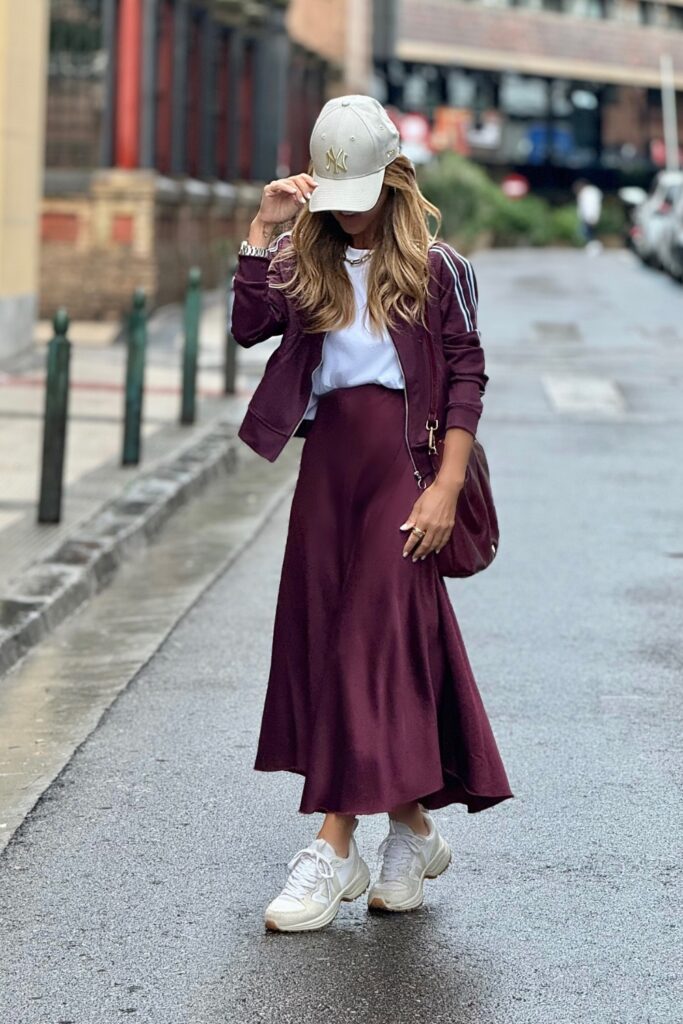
x=355 y=355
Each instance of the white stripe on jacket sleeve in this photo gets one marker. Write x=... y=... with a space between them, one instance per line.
x=450 y=256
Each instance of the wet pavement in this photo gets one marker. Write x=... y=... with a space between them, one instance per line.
x=55 y=697
x=135 y=888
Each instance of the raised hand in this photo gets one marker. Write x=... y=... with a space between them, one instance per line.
x=283 y=197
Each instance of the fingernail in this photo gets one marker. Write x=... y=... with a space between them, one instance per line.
x=308 y=195
x=301 y=199
x=405 y=554
x=423 y=558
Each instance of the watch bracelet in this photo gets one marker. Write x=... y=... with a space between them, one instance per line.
x=247 y=249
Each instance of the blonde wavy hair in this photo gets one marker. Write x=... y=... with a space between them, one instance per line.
x=398 y=274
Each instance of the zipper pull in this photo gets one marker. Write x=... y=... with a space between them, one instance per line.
x=431 y=430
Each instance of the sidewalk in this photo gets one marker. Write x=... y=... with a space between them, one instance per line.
x=95 y=427
x=47 y=570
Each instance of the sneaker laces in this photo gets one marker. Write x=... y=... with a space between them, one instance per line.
x=395 y=854
x=306 y=869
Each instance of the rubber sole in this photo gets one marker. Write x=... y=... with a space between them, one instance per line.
x=356 y=888
x=437 y=865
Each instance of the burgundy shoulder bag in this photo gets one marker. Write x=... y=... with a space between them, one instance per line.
x=473 y=543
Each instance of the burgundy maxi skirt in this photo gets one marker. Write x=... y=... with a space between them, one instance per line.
x=370 y=694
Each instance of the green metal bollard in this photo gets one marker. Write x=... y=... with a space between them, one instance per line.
x=54 y=426
x=193 y=301
x=135 y=379
x=230 y=361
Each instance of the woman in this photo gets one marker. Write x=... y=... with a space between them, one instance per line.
x=370 y=695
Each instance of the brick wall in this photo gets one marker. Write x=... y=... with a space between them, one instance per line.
x=629 y=119
x=320 y=26
x=130 y=229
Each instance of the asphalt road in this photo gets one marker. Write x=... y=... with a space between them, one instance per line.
x=135 y=888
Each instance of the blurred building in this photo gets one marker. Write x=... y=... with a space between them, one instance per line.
x=23 y=34
x=549 y=84
x=164 y=119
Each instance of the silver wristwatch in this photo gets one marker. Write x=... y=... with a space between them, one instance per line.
x=247 y=249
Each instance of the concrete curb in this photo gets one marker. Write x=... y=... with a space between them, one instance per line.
x=51 y=589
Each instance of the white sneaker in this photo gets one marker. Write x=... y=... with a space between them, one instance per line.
x=318 y=882
x=407 y=859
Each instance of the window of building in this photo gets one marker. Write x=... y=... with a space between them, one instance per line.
x=522 y=95
x=77 y=71
x=460 y=88
x=652 y=13
x=626 y=11
x=675 y=18
x=591 y=8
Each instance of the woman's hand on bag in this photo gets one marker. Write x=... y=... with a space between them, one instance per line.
x=283 y=197
x=434 y=513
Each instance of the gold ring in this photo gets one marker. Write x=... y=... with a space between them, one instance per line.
x=419 y=533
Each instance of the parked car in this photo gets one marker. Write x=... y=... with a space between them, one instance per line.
x=651 y=215
x=671 y=243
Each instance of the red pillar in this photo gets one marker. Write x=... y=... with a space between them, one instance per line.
x=129 y=51
x=164 y=120
x=194 y=96
x=246 y=113
x=222 y=107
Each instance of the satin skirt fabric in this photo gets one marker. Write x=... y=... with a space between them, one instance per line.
x=370 y=695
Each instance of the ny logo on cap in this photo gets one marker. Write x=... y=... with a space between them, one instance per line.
x=336 y=161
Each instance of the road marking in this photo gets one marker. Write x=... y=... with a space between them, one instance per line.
x=581 y=395
x=557 y=330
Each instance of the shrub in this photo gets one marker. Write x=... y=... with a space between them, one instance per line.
x=474 y=208
x=565 y=224
x=524 y=221
x=464 y=194
x=613 y=219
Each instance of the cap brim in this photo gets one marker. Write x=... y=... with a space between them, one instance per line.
x=355 y=195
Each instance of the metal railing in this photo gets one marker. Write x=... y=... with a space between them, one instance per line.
x=57 y=388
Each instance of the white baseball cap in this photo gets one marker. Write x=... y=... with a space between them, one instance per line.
x=352 y=141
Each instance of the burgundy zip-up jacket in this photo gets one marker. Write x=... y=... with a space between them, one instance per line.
x=445 y=379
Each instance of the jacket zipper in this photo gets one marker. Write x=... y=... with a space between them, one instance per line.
x=416 y=472
x=432 y=424
x=310 y=393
